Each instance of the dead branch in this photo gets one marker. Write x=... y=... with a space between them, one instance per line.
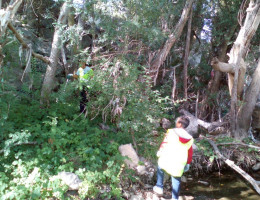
x=20 y=144
x=206 y=125
x=242 y=144
x=25 y=45
x=173 y=37
x=221 y=66
x=235 y=167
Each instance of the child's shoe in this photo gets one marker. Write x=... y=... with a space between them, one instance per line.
x=158 y=190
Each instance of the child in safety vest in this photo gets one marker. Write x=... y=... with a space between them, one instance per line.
x=174 y=156
x=83 y=74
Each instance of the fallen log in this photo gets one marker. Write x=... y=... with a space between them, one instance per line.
x=195 y=122
x=231 y=164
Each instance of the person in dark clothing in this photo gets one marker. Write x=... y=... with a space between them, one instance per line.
x=83 y=74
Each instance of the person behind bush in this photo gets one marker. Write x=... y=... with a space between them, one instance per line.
x=83 y=74
x=174 y=156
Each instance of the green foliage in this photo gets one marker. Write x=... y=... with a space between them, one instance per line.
x=117 y=96
x=65 y=142
x=205 y=147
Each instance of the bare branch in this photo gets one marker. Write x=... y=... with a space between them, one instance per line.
x=221 y=66
x=25 y=45
x=235 y=167
x=20 y=144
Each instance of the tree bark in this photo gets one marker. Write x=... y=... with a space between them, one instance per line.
x=48 y=82
x=6 y=15
x=246 y=110
x=240 y=47
x=222 y=57
x=237 y=55
x=236 y=60
x=162 y=54
x=186 y=58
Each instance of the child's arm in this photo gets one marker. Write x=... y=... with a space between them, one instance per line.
x=190 y=153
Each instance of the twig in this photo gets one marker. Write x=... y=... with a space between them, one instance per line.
x=25 y=45
x=19 y=144
x=242 y=144
x=235 y=167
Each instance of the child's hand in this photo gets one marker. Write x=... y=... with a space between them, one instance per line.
x=187 y=167
x=159 y=153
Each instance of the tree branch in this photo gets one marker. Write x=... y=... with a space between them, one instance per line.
x=242 y=144
x=208 y=126
x=20 y=144
x=235 y=167
x=221 y=66
x=25 y=45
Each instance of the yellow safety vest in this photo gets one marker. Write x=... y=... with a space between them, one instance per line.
x=85 y=76
x=174 y=155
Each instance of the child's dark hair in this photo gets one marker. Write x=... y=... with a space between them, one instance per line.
x=184 y=121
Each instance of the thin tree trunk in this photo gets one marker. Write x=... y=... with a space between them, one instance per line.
x=162 y=54
x=186 y=58
x=246 y=110
x=55 y=52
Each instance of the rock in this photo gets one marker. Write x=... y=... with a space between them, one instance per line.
x=141 y=169
x=155 y=133
x=137 y=197
x=128 y=150
x=193 y=127
x=184 y=179
x=151 y=196
x=186 y=198
x=166 y=124
x=126 y=194
x=146 y=186
x=70 y=179
x=204 y=183
x=256 y=167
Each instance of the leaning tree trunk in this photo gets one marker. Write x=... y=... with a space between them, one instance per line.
x=56 y=46
x=246 y=110
x=162 y=54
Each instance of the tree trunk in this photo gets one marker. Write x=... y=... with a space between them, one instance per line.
x=7 y=14
x=246 y=110
x=237 y=55
x=236 y=67
x=55 y=52
x=162 y=54
x=222 y=57
x=186 y=58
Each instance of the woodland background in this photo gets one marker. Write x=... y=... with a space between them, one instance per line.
x=152 y=60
